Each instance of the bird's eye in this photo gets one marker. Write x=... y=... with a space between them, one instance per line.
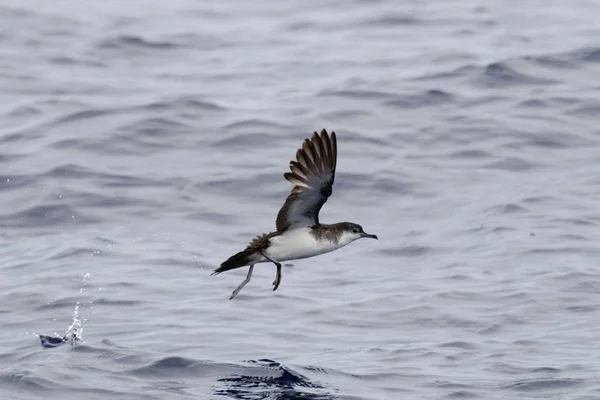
x=355 y=230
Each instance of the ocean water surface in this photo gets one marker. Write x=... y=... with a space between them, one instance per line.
x=143 y=142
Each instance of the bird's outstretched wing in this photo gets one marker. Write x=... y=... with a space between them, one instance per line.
x=312 y=174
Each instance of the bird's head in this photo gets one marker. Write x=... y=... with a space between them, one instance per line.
x=352 y=232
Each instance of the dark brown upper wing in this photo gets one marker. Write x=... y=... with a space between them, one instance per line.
x=312 y=174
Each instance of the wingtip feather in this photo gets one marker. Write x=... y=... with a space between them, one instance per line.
x=295 y=179
x=333 y=139
x=317 y=154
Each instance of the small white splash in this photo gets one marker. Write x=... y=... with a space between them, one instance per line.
x=74 y=332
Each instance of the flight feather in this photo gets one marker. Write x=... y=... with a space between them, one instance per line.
x=312 y=174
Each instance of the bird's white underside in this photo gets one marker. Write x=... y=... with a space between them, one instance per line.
x=299 y=243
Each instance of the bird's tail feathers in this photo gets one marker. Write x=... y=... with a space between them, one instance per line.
x=238 y=260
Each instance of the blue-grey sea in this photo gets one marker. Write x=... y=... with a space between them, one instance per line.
x=144 y=142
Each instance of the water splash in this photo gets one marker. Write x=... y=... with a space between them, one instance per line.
x=74 y=333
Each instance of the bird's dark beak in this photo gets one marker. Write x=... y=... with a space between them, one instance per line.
x=366 y=235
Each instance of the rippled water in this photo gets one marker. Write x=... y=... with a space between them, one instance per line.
x=142 y=143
